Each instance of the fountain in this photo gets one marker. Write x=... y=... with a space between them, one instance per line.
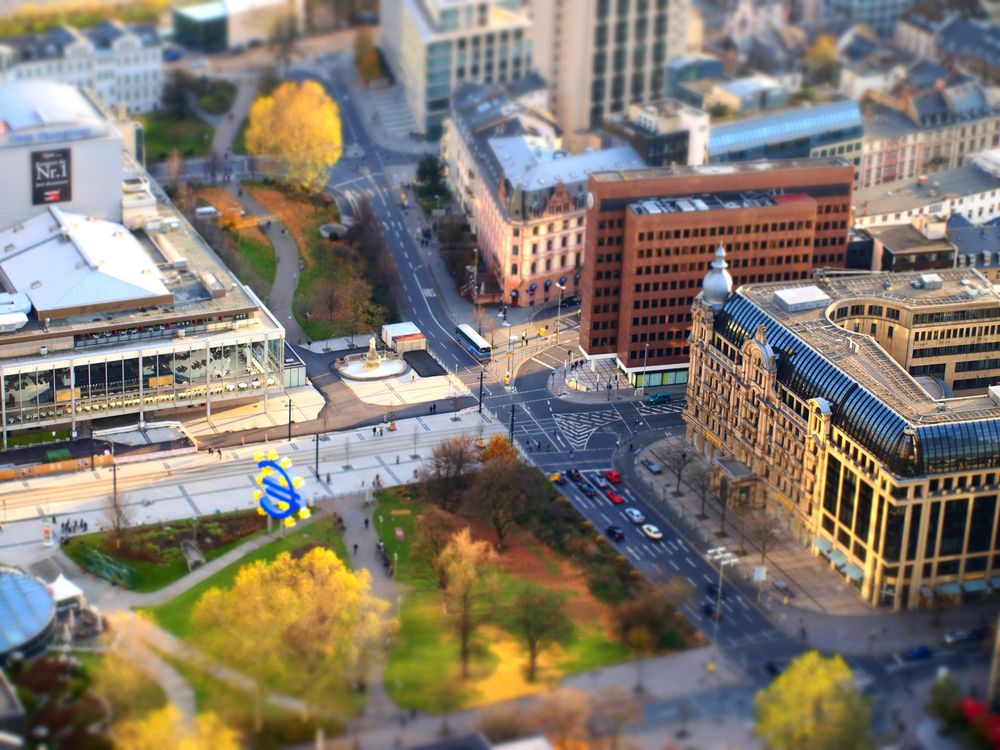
x=371 y=365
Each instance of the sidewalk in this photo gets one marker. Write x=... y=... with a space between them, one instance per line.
x=830 y=613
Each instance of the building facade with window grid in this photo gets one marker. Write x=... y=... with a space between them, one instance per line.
x=779 y=220
x=895 y=487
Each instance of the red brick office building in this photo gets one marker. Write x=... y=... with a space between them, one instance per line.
x=652 y=233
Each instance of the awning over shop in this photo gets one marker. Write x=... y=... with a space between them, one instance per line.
x=925 y=591
x=854 y=572
x=948 y=589
x=974 y=587
x=823 y=545
x=838 y=558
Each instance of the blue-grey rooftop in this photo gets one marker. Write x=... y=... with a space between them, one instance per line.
x=27 y=610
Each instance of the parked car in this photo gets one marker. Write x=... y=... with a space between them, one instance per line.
x=955 y=636
x=654 y=468
x=917 y=653
x=602 y=483
x=589 y=491
x=615 y=533
x=712 y=590
x=652 y=532
x=614 y=496
x=574 y=474
x=783 y=588
x=710 y=611
x=570 y=301
x=635 y=515
x=659 y=398
x=557 y=478
x=613 y=476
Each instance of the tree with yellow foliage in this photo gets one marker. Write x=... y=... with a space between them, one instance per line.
x=312 y=616
x=822 y=60
x=166 y=730
x=300 y=124
x=465 y=563
x=813 y=704
x=499 y=447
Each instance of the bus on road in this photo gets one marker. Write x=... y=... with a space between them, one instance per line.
x=475 y=344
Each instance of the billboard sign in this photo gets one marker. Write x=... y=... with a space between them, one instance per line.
x=51 y=177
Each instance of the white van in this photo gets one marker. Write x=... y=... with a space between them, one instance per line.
x=206 y=211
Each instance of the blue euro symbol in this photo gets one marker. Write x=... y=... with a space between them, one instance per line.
x=275 y=491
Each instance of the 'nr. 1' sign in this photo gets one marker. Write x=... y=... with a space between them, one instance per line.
x=51 y=176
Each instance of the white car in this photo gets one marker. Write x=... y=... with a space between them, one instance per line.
x=652 y=532
x=635 y=515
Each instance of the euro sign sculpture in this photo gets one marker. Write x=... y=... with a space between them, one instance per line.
x=278 y=496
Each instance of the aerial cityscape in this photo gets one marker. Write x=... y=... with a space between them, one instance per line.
x=517 y=374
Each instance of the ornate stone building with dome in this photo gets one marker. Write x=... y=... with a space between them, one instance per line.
x=862 y=411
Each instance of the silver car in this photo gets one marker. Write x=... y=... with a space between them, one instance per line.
x=635 y=515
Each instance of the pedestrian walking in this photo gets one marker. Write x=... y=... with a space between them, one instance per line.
x=218 y=454
x=381 y=431
x=366 y=523
x=355 y=549
x=374 y=430
x=397 y=459
x=328 y=477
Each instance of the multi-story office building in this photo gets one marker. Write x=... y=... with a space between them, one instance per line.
x=599 y=56
x=122 y=64
x=829 y=129
x=110 y=310
x=649 y=234
x=928 y=133
x=663 y=133
x=434 y=45
x=828 y=404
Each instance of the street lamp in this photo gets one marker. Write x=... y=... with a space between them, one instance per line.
x=562 y=288
x=722 y=557
x=645 y=359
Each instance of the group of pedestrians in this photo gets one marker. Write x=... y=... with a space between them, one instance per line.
x=378 y=430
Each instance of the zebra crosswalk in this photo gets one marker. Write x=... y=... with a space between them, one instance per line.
x=577 y=428
x=646 y=410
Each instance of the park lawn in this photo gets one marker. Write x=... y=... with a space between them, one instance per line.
x=236 y=708
x=150 y=576
x=162 y=134
x=253 y=244
x=175 y=616
x=37 y=438
x=424 y=657
x=320 y=260
x=216 y=95
x=149 y=696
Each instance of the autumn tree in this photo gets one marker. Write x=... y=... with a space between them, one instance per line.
x=165 y=730
x=563 y=716
x=501 y=494
x=366 y=57
x=540 y=620
x=447 y=474
x=504 y=722
x=433 y=529
x=654 y=608
x=175 y=168
x=677 y=456
x=499 y=448
x=614 y=711
x=821 y=59
x=300 y=124
x=355 y=296
x=466 y=564
x=813 y=704
x=312 y=613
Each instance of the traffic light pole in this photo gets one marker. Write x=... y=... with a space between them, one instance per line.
x=482 y=372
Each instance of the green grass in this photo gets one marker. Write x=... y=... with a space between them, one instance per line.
x=150 y=576
x=190 y=136
x=239 y=142
x=261 y=257
x=236 y=707
x=424 y=656
x=36 y=438
x=216 y=96
x=175 y=615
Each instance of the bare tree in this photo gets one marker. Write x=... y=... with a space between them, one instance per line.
x=479 y=316
x=700 y=480
x=614 y=709
x=450 y=463
x=284 y=38
x=722 y=497
x=676 y=457
x=212 y=164
x=742 y=510
x=116 y=510
x=491 y=327
x=764 y=533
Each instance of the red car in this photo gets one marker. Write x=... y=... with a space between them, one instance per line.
x=613 y=476
x=614 y=497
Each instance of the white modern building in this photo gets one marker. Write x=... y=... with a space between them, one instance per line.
x=235 y=24
x=434 y=45
x=124 y=65
x=599 y=56
x=110 y=303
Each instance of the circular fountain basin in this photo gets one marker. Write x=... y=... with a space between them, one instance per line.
x=358 y=369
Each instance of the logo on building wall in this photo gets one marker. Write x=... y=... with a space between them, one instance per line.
x=279 y=495
x=51 y=177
